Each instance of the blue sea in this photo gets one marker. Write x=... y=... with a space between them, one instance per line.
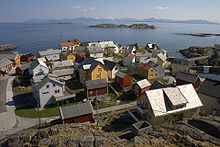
x=34 y=37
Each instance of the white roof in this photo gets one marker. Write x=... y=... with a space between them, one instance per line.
x=103 y=58
x=143 y=83
x=42 y=63
x=162 y=57
x=175 y=96
x=157 y=102
x=87 y=66
x=103 y=44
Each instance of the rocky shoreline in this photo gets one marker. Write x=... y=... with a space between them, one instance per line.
x=133 y=26
x=7 y=47
x=198 y=34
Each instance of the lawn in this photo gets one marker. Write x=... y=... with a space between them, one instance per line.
x=21 y=89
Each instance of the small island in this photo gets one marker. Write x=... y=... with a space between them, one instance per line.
x=133 y=26
x=65 y=23
x=198 y=34
x=7 y=47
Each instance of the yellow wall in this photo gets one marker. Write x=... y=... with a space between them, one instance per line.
x=151 y=71
x=103 y=74
x=17 y=61
x=71 y=56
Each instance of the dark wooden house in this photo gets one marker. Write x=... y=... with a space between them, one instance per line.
x=183 y=78
x=96 y=87
x=78 y=113
x=22 y=69
x=27 y=57
x=139 y=87
x=123 y=79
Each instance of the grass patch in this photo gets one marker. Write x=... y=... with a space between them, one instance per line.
x=21 y=89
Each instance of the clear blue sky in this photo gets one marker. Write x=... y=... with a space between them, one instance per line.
x=21 y=10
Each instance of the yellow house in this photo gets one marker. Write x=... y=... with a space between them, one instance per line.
x=92 y=71
x=167 y=105
x=147 y=71
x=68 y=55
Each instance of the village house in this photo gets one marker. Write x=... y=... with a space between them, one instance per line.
x=161 y=59
x=143 y=55
x=14 y=57
x=77 y=113
x=94 y=51
x=132 y=68
x=130 y=49
x=209 y=93
x=75 y=41
x=95 y=88
x=90 y=69
x=45 y=88
x=22 y=69
x=145 y=60
x=128 y=59
x=139 y=87
x=156 y=52
x=167 y=105
x=38 y=66
x=67 y=45
x=68 y=55
x=123 y=79
x=105 y=44
x=147 y=71
x=49 y=52
x=151 y=46
x=160 y=71
x=5 y=66
x=180 y=65
x=63 y=69
x=187 y=78
x=79 y=52
x=112 y=67
x=27 y=58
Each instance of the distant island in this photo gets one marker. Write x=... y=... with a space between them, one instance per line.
x=133 y=26
x=199 y=34
x=65 y=23
x=7 y=47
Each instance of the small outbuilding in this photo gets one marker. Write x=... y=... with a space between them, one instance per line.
x=96 y=87
x=140 y=86
x=22 y=69
x=78 y=113
x=123 y=79
x=187 y=78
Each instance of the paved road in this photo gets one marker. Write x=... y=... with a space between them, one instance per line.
x=3 y=84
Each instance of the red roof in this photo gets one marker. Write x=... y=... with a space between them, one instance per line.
x=131 y=56
x=75 y=41
x=66 y=44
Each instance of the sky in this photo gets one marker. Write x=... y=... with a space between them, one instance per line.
x=22 y=10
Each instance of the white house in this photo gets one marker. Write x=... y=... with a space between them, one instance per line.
x=106 y=44
x=130 y=49
x=113 y=68
x=45 y=88
x=67 y=45
x=38 y=66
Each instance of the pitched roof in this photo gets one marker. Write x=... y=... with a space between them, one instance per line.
x=63 y=63
x=63 y=44
x=36 y=62
x=24 y=66
x=156 y=85
x=94 y=49
x=143 y=83
x=28 y=55
x=75 y=110
x=63 y=72
x=131 y=56
x=93 y=84
x=121 y=74
x=49 y=52
x=162 y=57
x=185 y=76
x=158 y=102
x=8 y=56
x=110 y=64
x=5 y=62
x=210 y=88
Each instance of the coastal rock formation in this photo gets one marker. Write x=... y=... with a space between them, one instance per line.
x=199 y=34
x=133 y=26
x=7 y=47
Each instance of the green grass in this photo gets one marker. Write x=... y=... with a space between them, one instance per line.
x=21 y=90
x=31 y=112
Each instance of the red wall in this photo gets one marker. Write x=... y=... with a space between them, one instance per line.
x=123 y=82
x=26 y=59
x=79 y=119
x=182 y=82
x=99 y=91
x=140 y=91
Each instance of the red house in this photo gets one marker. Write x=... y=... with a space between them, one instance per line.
x=123 y=79
x=139 y=87
x=96 y=87
x=78 y=113
x=183 y=78
x=22 y=69
x=27 y=57
x=5 y=66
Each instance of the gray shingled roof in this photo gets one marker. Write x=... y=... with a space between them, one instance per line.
x=94 y=49
x=24 y=66
x=49 y=52
x=210 y=88
x=109 y=64
x=76 y=110
x=9 y=56
x=5 y=62
x=93 y=84
x=185 y=76
x=121 y=74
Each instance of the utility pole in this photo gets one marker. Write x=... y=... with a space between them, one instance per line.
x=38 y=110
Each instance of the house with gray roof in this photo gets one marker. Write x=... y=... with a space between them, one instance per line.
x=123 y=79
x=209 y=93
x=187 y=78
x=159 y=69
x=94 y=51
x=22 y=69
x=5 y=66
x=77 y=113
x=45 y=89
x=48 y=52
x=95 y=88
x=38 y=66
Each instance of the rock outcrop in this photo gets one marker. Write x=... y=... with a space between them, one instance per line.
x=133 y=26
x=7 y=47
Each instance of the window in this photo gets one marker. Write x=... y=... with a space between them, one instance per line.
x=54 y=85
x=193 y=111
x=45 y=92
x=100 y=69
x=57 y=91
x=98 y=76
x=151 y=75
x=152 y=70
x=48 y=86
x=166 y=119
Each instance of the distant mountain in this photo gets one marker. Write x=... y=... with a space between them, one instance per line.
x=89 y=19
